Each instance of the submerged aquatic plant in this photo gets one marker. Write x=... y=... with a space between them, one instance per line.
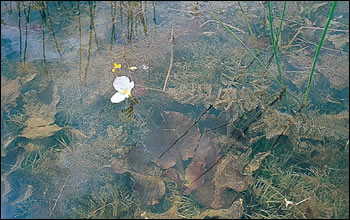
x=318 y=52
x=123 y=86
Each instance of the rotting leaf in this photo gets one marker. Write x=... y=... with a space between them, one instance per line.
x=235 y=211
x=166 y=134
x=213 y=193
x=339 y=40
x=10 y=89
x=149 y=188
x=255 y=163
x=41 y=116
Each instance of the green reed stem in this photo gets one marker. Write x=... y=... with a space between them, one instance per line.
x=250 y=30
x=247 y=48
x=274 y=44
x=318 y=52
x=261 y=63
x=282 y=18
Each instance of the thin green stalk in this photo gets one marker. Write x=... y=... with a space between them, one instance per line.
x=274 y=43
x=282 y=18
x=318 y=52
x=250 y=30
x=261 y=63
x=247 y=48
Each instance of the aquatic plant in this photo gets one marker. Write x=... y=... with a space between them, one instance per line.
x=275 y=41
x=318 y=52
x=246 y=47
x=285 y=192
x=123 y=86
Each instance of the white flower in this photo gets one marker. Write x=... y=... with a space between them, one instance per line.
x=123 y=86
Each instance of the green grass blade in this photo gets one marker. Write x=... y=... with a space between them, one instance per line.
x=247 y=48
x=282 y=18
x=260 y=62
x=274 y=43
x=250 y=30
x=318 y=52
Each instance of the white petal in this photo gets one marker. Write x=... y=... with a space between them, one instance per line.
x=121 y=83
x=118 y=97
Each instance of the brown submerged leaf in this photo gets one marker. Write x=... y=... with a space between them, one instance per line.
x=10 y=89
x=161 y=138
x=227 y=175
x=41 y=115
x=194 y=170
x=150 y=188
x=206 y=154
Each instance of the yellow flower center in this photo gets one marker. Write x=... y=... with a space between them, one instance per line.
x=125 y=91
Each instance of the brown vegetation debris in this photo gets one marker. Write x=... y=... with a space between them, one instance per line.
x=161 y=138
x=41 y=116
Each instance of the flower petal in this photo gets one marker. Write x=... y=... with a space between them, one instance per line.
x=118 y=97
x=116 y=65
x=121 y=83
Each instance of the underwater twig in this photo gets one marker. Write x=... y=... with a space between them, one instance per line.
x=52 y=30
x=90 y=39
x=291 y=203
x=124 y=52
x=20 y=31
x=27 y=13
x=314 y=28
x=113 y=16
x=186 y=131
x=317 y=53
x=240 y=135
x=93 y=25
x=80 y=44
x=172 y=39
x=59 y=195
x=228 y=25
x=44 y=53
x=154 y=13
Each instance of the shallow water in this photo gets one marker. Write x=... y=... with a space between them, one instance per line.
x=223 y=139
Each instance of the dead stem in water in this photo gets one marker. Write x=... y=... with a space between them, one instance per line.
x=172 y=39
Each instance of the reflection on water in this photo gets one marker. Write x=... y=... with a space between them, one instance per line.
x=208 y=134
